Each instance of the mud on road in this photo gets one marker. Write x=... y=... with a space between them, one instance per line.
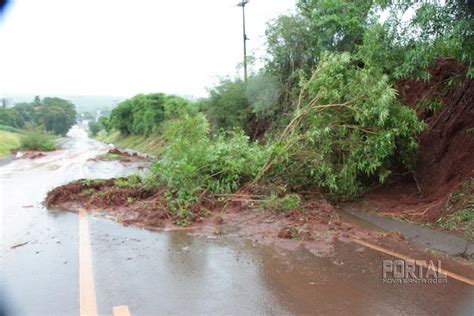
x=316 y=226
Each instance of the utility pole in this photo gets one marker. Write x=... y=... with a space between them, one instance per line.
x=242 y=4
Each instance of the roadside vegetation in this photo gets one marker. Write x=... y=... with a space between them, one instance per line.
x=321 y=116
x=35 y=139
x=38 y=123
x=8 y=142
x=460 y=209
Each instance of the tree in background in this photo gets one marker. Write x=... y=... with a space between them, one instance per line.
x=144 y=114
x=53 y=114
x=94 y=127
x=56 y=115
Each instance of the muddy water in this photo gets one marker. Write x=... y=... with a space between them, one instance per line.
x=175 y=273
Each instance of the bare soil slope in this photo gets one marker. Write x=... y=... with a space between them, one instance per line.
x=446 y=152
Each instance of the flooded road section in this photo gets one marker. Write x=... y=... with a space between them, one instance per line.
x=175 y=273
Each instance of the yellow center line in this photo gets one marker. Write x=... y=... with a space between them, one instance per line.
x=421 y=263
x=121 y=310
x=87 y=296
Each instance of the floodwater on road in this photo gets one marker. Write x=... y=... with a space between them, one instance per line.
x=173 y=272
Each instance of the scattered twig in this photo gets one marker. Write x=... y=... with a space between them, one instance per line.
x=19 y=245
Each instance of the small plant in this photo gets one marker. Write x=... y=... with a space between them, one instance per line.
x=131 y=200
x=132 y=182
x=431 y=105
x=282 y=204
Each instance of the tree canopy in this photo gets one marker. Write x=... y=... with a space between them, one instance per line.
x=55 y=115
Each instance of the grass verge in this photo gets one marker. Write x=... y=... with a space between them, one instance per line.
x=8 y=141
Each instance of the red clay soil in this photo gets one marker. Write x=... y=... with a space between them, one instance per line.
x=30 y=154
x=446 y=147
x=316 y=226
x=125 y=156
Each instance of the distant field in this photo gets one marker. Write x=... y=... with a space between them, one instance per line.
x=146 y=144
x=8 y=141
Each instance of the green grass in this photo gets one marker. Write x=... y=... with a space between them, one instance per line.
x=8 y=141
x=146 y=144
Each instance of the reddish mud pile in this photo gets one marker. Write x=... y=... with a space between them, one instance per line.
x=30 y=154
x=119 y=155
x=446 y=147
x=316 y=224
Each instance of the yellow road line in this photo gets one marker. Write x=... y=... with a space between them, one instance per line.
x=421 y=263
x=87 y=296
x=121 y=310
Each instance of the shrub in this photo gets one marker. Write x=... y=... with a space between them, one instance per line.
x=36 y=140
x=193 y=162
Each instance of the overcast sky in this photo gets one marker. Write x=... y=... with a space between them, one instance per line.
x=115 y=47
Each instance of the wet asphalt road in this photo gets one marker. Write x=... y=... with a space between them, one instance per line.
x=175 y=273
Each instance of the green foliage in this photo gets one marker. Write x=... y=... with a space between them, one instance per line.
x=407 y=48
x=290 y=47
x=56 y=115
x=8 y=142
x=131 y=182
x=53 y=114
x=193 y=162
x=337 y=25
x=94 y=127
x=37 y=140
x=430 y=105
x=11 y=117
x=235 y=104
x=346 y=130
x=144 y=114
x=105 y=124
x=228 y=106
x=282 y=204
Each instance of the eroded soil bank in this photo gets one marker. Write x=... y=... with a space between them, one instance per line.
x=443 y=179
